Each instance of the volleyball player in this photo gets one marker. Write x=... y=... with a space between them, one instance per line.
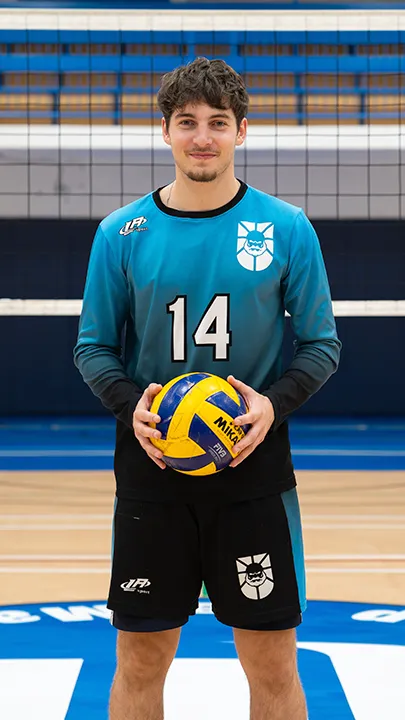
x=197 y=275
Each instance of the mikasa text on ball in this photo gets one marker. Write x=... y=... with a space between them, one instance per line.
x=196 y=413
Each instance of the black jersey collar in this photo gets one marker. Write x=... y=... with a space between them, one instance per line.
x=200 y=213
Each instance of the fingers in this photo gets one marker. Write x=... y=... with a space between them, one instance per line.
x=140 y=421
x=237 y=383
x=247 y=419
x=147 y=398
x=153 y=452
x=247 y=394
x=245 y=450
x=251 y=437
x=245 y=390
x=242 y=456
x=157 y=460
x=142 y=412
x=143 y=432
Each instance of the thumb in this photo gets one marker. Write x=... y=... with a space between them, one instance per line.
x=242 y=388
x=238 y=384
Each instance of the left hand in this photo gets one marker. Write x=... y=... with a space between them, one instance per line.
x=260 y=416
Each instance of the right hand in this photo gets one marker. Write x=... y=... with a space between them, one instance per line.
x=141 y=417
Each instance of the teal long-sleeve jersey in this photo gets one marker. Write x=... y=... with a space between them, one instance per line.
x=170 y=292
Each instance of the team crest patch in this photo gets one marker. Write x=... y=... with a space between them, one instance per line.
x=255 y=245
x=133 y=225
x=255 y=576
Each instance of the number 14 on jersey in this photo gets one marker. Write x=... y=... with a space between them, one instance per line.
x=212 y=329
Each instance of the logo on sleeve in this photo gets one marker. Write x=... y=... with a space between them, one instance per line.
x=134 y=225
x=255 y=245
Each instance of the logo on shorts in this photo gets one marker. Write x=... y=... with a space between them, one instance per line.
x=136 y=585
x=255 y=576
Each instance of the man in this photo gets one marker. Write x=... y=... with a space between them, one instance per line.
x=197 y=276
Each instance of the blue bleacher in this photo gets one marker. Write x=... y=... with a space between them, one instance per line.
x=48 y=66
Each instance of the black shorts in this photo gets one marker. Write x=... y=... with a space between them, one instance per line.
x=249 y=554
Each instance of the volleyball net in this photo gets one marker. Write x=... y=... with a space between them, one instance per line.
x=80 y=131
x=79 y=126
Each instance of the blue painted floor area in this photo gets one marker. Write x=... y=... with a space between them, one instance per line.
x=87 y=444
x=341 y=646
x=351 y=655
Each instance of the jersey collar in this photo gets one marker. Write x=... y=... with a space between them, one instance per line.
x=200 y=213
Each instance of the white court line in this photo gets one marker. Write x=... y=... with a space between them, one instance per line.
x=305 y=452
x=352 y=557
x=57 y=516
x=106 y=427
x=346 y=452
x=307 y=526
x=326 y=427
x=38 y=689
x=353 y=526
x=308 y=558
x=54 y=571
x=55 y=453
x=107 y=516
x=362 y=570
x=36 y=558
x=14 y=526
x=322 y=516
x=101 y=571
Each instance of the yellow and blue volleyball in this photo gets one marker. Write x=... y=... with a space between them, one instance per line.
x=196 y=413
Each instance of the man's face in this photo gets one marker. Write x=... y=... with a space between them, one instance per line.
x=203 y=140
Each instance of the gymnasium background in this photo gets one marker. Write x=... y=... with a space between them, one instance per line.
x=80 y=136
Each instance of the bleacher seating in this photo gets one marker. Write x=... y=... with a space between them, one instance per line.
x=292 y=77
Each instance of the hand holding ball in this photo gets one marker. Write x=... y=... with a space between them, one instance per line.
x=196 y=413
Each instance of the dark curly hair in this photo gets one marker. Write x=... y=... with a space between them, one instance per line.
x=210 y=81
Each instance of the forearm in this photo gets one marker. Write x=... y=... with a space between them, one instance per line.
x=103 y=372
x=311 y=367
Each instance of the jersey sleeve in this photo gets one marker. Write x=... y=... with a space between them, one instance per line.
x=306 y=294
x=97 y=354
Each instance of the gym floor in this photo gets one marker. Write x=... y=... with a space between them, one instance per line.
x=57 y=494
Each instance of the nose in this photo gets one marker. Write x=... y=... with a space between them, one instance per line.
x=202 y=137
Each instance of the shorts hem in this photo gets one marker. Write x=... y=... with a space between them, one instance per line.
x=289 y=612
x=287 y=623
x=168 y=612
x=133 y=623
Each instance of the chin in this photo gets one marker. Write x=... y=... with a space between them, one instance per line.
x=202 y=176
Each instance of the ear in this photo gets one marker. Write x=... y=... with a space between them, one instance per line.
x=165 y=132
x=240 y=138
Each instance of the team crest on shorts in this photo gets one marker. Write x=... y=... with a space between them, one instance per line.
x=255 y=576
x=255 y=245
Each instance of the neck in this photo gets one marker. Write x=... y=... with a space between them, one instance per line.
x=185 y=194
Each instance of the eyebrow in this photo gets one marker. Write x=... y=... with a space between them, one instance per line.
x=191 y=115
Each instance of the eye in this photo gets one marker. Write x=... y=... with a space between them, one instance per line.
x=220 y=123
x=185 y=122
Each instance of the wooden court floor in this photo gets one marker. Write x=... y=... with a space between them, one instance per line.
x=55 y=535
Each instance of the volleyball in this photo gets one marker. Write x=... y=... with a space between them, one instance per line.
x=196 y=413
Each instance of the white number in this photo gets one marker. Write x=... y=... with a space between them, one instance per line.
x=213 y=328
x=178 y=309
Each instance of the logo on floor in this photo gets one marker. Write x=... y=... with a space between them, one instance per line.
x=351 y=659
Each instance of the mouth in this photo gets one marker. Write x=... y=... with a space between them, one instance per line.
x=202 y=156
